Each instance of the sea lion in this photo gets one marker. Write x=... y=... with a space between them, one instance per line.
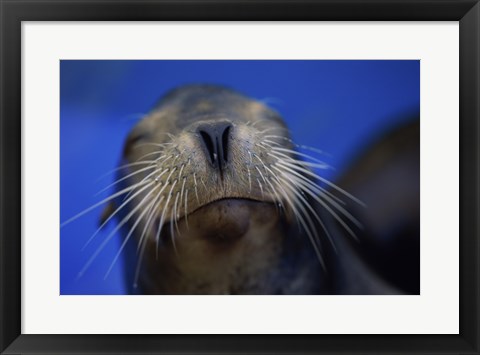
x=213 y=197
x=386 y=177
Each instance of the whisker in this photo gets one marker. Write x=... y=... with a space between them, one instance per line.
x=150 y=162
x=290 y=204
x=268 y=180
x=203 y=183
x=196 y=190
x=253 y=123
x=147 y=178
x=186 y=215
x=157 y=207
x=313 y=212
x=111 y=235
x=157 y=178
x=159 y=193
x=340 y=208
x=308 y=172
x=181 y=192
x=320 y=164
x=127 y=238
x=175 y=210
x=122 y=179
x=160 y=224
x=113 y=215
x=302 y=146
x=334 y=204
x=261 y=175
x=299 y=216
x=272 y=129
x=277 y=197
x=161 y=145
x=150 y=219
x=153 y=153
x=261 y=188
x=334 y=214
x=316 y=188
x=274 y=177
x=172 y=236
x=111 y=197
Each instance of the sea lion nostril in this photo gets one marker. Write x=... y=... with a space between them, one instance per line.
x=225 y=142
x=208 y=142
x=215 y=139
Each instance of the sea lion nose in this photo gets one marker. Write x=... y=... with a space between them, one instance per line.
x=215 y=139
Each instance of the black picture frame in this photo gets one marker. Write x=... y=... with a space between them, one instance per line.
x=13 y=12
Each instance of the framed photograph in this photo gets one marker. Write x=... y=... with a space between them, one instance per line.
x=239 y=177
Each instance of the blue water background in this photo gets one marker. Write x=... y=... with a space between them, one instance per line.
x=337 y=106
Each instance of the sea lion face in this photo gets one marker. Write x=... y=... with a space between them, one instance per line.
x=204 y=145
x=207 y=174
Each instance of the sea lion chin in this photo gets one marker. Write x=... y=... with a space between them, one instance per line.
x=226 y=220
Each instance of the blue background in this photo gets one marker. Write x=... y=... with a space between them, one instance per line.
x=336 y=106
